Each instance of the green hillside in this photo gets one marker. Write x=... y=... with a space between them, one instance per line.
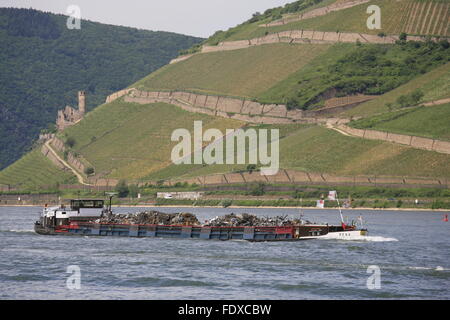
x=43 y=65
x=433 y=84
x=33 y=171
x=414 y=17
x=132 y=141
x=242 y=73
x=316 y=149
x=250 y=29
x=127 y=140
x=430 y=122
x=301 y=75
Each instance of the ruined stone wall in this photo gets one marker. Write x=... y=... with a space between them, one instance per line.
x=118 y=94
x=375 y=135
x=181 y=58
x=233 y=108
x=343 y=101
x=67 y=117
x=28 y=199
x=47 y=153
x=413 y=141
x=307 y=178
x=441 y=146
x=46 y=136
x=103 y=182
x=303 y=37
x=58 y=144
x=244 y=110
x=75 y=162
x=315 y=12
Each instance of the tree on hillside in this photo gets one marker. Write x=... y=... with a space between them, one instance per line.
x=70 y=142
x=122 y=189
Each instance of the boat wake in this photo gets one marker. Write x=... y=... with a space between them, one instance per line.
x=378 y=239
x=438 y=268
x=18 y=231
x=363 y=238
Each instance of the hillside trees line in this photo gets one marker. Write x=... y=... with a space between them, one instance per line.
x=43 y=65
x=368 y=69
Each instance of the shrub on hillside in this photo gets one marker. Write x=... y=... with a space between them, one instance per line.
x=133 y=190
x=89 y=170
x=226 y=203
x=122 y=189
x=411 y=99
x=258 y=189
x=70 y=142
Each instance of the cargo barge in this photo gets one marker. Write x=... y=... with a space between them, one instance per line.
x=83 y=216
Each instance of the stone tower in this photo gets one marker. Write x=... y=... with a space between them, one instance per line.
x=81 y=102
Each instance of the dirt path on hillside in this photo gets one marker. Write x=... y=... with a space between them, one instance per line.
x=416 y=142
x=67 y=165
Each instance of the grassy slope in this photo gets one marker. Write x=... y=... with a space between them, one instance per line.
x=133 y=140
x=430 y=122
x=317 y=149
x=433 y=84
x=394 y=21
x=322 y=150
x=175 y=171
x=249 y=30
x=243 y=73
x=313 y=71
x=34 y=170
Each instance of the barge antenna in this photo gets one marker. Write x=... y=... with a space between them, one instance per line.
x=110 y=195
x=340 y=211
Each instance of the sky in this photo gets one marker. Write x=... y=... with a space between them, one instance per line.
x=192 y=17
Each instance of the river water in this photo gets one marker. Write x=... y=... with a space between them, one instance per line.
x=411 y=250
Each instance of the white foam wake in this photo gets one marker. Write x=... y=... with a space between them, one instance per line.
x=377 y=239
x=18 y=231
x=438 y=268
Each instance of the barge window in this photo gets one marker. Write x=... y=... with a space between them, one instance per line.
x=97 y=204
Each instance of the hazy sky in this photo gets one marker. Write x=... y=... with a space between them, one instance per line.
x=193 y=17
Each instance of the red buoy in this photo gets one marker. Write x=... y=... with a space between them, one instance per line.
x=445 y=218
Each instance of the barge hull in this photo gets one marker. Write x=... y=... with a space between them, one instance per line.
x=253 y=234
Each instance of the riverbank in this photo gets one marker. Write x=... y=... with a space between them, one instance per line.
x=249 y=196
x=252 y=207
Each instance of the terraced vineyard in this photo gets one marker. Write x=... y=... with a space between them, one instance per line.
x=34 y=170
x=133 y=141
x=430 y=122
x=242 y=73
x=126 y=140
x=317 y=149
x=415 y=17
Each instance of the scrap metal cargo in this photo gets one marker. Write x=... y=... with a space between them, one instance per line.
x=91 y=218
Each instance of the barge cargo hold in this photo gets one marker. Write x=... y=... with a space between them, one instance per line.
x=82 y=219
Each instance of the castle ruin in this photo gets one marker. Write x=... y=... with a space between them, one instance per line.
x=69 y=116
